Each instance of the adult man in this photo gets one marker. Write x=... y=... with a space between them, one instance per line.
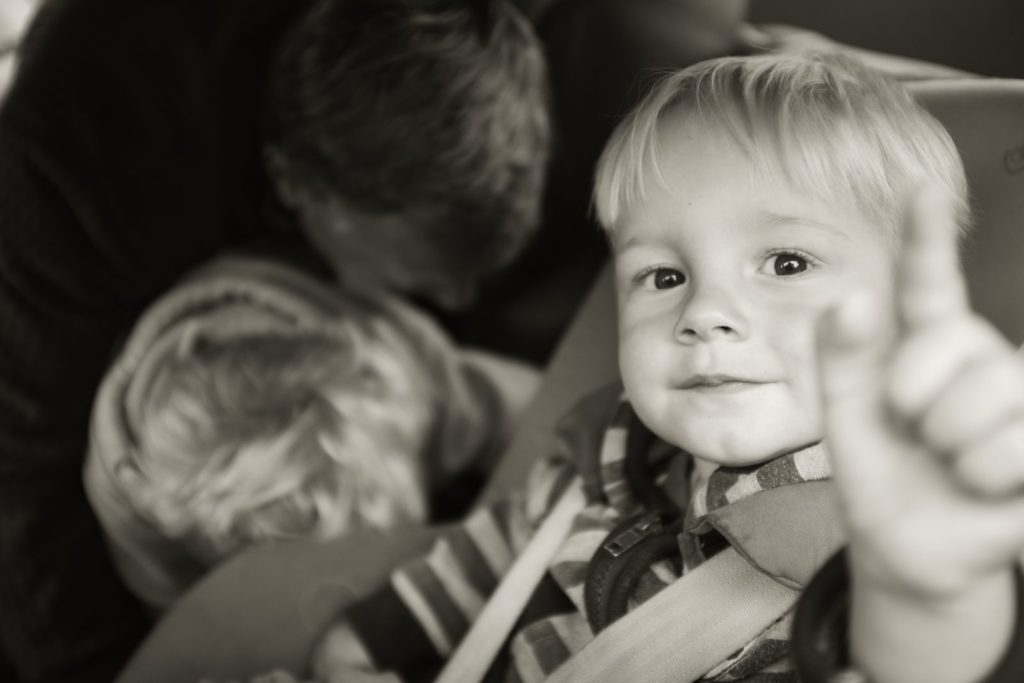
x=138 y=139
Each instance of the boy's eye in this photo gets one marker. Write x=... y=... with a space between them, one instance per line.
x=789 y=264
x=662 y=278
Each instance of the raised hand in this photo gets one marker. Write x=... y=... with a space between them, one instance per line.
x=924 y=411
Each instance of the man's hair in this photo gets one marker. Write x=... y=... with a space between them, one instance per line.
x=432 y=109
x=284 y=434
x=825 y=124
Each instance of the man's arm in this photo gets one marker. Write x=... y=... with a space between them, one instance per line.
x=783 y=38
x=65 y=615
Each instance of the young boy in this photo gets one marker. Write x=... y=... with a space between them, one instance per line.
x=782 y=315
x=254 y=403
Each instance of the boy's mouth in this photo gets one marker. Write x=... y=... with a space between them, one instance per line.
x=718 y=383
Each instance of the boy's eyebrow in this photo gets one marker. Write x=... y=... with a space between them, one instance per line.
x=621 y=245
x=653 y=235
x=772 y=219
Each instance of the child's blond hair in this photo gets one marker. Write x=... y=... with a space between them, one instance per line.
x=274 y=434
x=826 y=124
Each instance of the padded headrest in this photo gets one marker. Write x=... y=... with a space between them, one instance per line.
x=986 y=120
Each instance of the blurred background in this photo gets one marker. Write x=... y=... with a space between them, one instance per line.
x=983 y=36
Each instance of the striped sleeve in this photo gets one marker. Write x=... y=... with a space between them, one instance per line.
x=415 y=622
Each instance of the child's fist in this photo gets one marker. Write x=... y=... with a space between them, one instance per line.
x=924 y=413
x=924 y=409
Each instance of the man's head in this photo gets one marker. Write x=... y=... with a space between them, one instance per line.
x=743 y=198
x=411 y=138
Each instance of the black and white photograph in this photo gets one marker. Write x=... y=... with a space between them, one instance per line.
x=511 y=341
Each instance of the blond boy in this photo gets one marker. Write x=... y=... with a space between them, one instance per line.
x=782 y=315
x=254 y=403
x=921 y=398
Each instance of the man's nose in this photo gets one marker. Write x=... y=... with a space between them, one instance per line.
x=454 y=298
x=712 y=315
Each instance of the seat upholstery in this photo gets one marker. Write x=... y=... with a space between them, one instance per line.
x=986 y=119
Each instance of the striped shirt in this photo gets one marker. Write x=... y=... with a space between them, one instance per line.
x=416 y=621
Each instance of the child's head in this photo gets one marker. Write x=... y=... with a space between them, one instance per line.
x=743 y=198
x=276 y=432
x=411 y=138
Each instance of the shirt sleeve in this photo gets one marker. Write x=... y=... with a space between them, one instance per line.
x=820 y=630
x=479 y=396
x=414 y=623
x=491 y=393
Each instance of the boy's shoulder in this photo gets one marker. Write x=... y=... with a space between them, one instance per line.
x=595 y=433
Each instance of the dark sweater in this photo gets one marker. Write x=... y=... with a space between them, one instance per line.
x=129 y=152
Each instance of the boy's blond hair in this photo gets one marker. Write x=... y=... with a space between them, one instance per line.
x=275 y=434
x=826 y=124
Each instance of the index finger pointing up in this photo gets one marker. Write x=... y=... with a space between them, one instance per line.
x=931 y=285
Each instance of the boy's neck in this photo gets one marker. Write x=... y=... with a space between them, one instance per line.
x=704 y=467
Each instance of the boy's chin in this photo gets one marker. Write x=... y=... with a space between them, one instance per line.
x=716 y=458
x=742 y=450
x=741 y=437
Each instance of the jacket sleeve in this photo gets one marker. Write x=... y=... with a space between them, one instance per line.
x=65 y=615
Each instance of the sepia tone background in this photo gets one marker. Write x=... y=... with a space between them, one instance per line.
x=983 y=36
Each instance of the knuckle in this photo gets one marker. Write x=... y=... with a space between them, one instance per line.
x=975 y=472
x=1009 y=380
x=995 y=467
x=975 y=334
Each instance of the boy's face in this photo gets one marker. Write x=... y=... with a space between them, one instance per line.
x=721 y=280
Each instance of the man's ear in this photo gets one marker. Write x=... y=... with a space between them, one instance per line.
x=279 y=171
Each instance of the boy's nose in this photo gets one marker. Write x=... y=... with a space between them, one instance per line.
x=710 y=318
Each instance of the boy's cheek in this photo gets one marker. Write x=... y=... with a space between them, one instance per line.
x=648 y=368
x=645 y=334
x=639 y=359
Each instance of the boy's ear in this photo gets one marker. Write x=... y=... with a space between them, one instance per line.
x=279 y=171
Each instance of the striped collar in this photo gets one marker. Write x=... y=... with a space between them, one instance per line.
x=730 y=484
x=781 y=515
